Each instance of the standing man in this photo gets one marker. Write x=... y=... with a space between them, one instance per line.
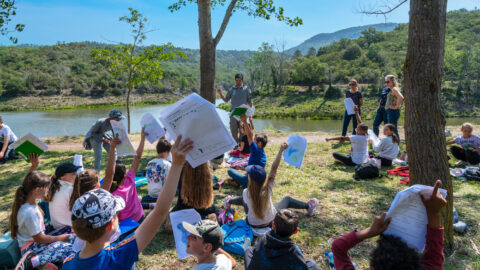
x=97 y=136
x=381 y=115
x=7 y=137
x=239 y=94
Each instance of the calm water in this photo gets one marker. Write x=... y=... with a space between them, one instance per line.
x=77 y=122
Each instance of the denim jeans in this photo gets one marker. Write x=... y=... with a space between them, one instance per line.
x=346 y=122
x=240 y=178
x=97 y=149
x=392 y=118
x=380 y=117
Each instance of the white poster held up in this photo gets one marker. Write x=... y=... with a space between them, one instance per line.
x=126 y=147
x=349 y=106
x=179 y=234
x=196 y=118
x=78 y=161
x=409 y=216
x=373 y=136
x=152 y=127
x=295 y=152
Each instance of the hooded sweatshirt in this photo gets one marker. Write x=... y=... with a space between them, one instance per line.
x=275 y=252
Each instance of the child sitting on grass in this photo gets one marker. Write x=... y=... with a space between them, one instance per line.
x=388 y=147
x=275 y=249
x=27 y=225
x=468 y=147
x=243 y=150
x=257 y=154
x=391 y=252
x=204 y=242
x=157 y=171
x=94 y=218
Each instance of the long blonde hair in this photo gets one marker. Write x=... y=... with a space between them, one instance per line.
x=394 y=80
x=197 y=189
x=260 y=197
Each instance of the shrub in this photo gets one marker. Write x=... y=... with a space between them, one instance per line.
x=333 y=92
x=78 y=89
x=352 y=52
x=15 y=86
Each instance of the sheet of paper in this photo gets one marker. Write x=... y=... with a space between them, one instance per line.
x=251 y=111
x=409 y=216
x=195 y=118
x=78 y=161
x=371 y=135
x=349 y=106
x=152 y=127
x=295 y=152
x=179 y=234
x=126 y=147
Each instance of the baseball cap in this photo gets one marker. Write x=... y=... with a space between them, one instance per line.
x=208 y=230
x=97 y=207
x=257 y=173
x=64 y=168
x=116 y=113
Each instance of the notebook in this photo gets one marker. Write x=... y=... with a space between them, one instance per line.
x=29 y=144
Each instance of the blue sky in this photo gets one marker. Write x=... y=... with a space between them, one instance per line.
x=49 y=21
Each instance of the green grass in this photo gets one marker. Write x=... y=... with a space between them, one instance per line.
x=345 y=204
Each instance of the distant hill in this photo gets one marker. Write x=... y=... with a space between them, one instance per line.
x=325 y=39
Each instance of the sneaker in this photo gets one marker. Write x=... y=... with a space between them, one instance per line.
x=25 y=262
x=225 y=202
x=312 y=206
x=461 y=163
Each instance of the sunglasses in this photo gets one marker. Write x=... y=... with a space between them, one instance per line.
x=352 y=84
x=387 y=81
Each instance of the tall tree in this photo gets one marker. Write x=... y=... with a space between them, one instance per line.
x=256 y=8
x=281 y=59
x=139 y=64
x=7 y=11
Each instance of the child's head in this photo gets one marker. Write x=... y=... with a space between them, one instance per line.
x=34 y=184
x=205 y=237
x=392 y=253
x=94 y=215
x=118 y=176
x=285 y=223
x=389 y=130
x=66 y=171
x=261 y=140
x=84 y=182
x=197 y=189
x=362 y=129
x=467 y=130
x=163 y=147
x=257 y=189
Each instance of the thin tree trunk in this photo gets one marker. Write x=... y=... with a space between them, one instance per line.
x=424 y=117
x=207 y=51
x=128 y=108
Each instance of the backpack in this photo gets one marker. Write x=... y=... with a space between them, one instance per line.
x=472 y=174
x=226 y=216
x=235 y=233
x=366 y=170
x=9 y=251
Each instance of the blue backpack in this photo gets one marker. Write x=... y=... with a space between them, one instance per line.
x=235 y=233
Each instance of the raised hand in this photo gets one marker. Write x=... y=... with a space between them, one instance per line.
x=433 y=205
x=283 y=146
x=379 y=225
x=180 y=150
x=143 y=134
x=34 y=160
x=115 y=142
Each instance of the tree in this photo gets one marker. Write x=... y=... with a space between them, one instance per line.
x=7 y=11
x=280 y=60
x=352 y=52
x=264 y=60
x=208 y=43
x=141 y=65
x=311 y=52
x=297 y=54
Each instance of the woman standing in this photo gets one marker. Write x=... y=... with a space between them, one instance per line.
x=394 y=102
x=357 y=98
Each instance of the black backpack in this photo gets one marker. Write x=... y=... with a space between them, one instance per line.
x=366 y=170
x=472 y=174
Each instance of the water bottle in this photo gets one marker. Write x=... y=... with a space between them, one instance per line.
x=329 y=256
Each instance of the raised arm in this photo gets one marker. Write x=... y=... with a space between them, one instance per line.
x=138 y=157
x=276 y=163
x=149 y=227
x=110 y=170
x=247 y=129
x=34 y=161
x=219 y=91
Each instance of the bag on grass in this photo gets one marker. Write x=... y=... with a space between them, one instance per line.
x=366 y=170
x=472 y=174
x=9 y=251
x=235 y=233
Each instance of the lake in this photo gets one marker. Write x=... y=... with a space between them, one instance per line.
x=78 y=121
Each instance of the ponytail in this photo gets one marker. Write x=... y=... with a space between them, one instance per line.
x=54 y=187
x=394 y=136
x=84 y=182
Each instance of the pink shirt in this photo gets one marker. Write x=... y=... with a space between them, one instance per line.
x=133 y=208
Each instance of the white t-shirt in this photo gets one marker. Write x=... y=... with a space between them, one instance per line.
x=60 y=215
x=387 y=148
x=30 y=223
x=270 y=212
x=7 y=131
x=222 y=263
x=359 y=148
x=157 y=171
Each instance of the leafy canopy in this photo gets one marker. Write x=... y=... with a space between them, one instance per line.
x=7 y=11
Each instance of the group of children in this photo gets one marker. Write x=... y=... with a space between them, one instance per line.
x=85 y=212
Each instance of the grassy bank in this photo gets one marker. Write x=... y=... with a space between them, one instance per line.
x=345 y=204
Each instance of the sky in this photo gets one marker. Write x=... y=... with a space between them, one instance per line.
x=51 y=21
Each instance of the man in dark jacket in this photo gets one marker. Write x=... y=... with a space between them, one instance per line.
x=275 y=249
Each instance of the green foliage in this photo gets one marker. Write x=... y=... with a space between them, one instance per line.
x=7 y=11
x=333 y=92
x=352 y=52
x=15 y=86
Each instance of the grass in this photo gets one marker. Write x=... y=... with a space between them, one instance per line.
x=345 y=204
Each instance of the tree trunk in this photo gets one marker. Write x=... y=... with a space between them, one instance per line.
x=424 y=117
x=207 y=51
x=128 y=108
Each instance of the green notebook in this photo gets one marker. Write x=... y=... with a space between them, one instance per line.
x=239 y=111
x=29 y=144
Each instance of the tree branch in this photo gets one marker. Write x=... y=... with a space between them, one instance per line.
x=226 y=19
x=386 y=9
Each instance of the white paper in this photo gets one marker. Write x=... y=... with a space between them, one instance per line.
x=78 y=161
x=195 y=118
x=295 y=152
x=251 y=111
x=152 y=127
x=409 y=216
x=179 y=234
x=349 y=106
x=126 y=147
x=371 y=135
